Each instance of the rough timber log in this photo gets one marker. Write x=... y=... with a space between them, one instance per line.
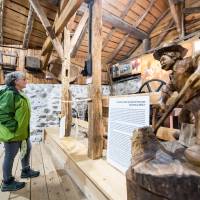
x=160 y=171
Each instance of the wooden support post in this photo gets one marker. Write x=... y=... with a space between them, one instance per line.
x=65 y=82
x=146 y=44
x=29 y=26
x=95 y=132
x=1 y=20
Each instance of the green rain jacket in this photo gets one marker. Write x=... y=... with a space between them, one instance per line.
x=14 y=115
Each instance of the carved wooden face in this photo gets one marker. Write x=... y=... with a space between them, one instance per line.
x=168 y=59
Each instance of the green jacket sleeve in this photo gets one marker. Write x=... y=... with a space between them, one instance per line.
x=7 y=111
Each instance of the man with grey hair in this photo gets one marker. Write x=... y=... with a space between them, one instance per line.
x=15 y=115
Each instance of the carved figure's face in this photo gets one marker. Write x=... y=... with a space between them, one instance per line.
x=168 y=59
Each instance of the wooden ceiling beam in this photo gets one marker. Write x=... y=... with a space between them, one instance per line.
x=191 y=10
x=175 y=14
x=46 y=57
x=124 y=26
x=28 y=29
x=123 y=14
x=163 y=35
x=1 y=20
x=159 y=20
x=116 y=51
x=128 y=7
x=79 y=34
x=145 y=13
x=67 y=12
x=47 y=26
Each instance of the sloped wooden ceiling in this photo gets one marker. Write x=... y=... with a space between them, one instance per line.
x=151 y=18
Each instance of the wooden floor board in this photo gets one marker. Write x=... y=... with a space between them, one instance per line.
x=38 y=185
x=52 y=184
x=54 y=187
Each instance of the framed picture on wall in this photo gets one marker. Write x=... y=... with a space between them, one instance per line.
x=136 y=66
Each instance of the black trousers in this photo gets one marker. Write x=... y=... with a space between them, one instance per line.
x=11 y=149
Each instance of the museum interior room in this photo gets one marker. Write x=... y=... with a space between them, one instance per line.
x=106 y=93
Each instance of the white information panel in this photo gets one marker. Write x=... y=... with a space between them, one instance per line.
x=125 y=114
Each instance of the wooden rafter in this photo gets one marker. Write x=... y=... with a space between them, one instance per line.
x=159 y=20
x=46 y=57
x=79 y=34
x=163 y=35
x=116 y=51
x=47 y=26
x=175 y=14
x=145 y=13
x=1 y=20
x=29 y=26
x=152 y=28
x=62 y=21
x=108 y=38
x=120 y=24
x=128 y=7
x=123 y=14
x=191 y=10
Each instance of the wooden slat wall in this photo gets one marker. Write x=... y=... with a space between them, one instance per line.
x=31 y=78
x=15 y=15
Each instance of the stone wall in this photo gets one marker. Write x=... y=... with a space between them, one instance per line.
x=80 y=95
x=46 y=105
x=127 y=87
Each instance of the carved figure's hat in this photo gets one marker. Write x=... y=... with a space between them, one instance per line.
x=169 y=47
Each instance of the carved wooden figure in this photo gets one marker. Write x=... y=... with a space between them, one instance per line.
x=185 y=79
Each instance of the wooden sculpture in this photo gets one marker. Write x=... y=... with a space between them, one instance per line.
x=185 y=79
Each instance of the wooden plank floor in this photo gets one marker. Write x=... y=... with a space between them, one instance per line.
x=50 y=185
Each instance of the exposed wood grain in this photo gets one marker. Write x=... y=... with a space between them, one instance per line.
x=116 y=51
x=145 y=13
x=175 y=14
x=96 y=178
x=191 y=10
x=79 y=34
x=45 y=22
x=151 y=160
x=28 y=29
x=119 y=23
x=61 y=22
x=162 y=36
x=54 y=187
x=95 y=132
x=38 y=185
x=65 y=81
x=159 y=20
